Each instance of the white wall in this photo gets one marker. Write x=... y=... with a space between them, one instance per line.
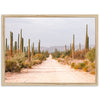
x=49 y=7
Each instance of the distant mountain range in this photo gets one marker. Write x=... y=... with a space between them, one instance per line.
x=60 y=48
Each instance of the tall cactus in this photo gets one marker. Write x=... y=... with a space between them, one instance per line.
x=73 y=46
x=88 y=42
x=20 y=40
x=33 y=49
x=86 y=39
x=15 y=48
x=24 y=49
x=11 y=43
x=6 y=45
x=79 y=46
x=29 y=49
x=39 y=47
x=65 y=48
x=70 y=50
x=18 y=44
x=22 y=44
x=31 y=52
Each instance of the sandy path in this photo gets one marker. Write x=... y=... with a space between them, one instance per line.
x=50 y=71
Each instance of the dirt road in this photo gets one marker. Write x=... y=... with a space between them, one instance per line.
x=50 y=71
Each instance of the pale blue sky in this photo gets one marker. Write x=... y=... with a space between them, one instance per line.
x=51 y=31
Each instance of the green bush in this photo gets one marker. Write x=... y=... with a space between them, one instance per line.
x=85 y=68
x=19 y=58
x=93 y=65
x=73 y=64
x=27 y=64
x=86 y=62
x=82 y=65
x=33 y=62
x=56 y=54
x=79 y=54
x=90 y=55
x=62 y=55
x=92 y=71
x=11 y=66
x=77 y=66
x=15 y=63
x=46 y=53
x=39 y=57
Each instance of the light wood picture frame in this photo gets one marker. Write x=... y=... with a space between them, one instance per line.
x=59 y=60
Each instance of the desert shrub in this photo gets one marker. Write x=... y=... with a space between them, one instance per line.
x=93 y=65
x=82 y=65
x=39 y=57
x=86 y=62
x=27 y=64
x=85 y=68
x=15 y=63
x=62 y=55
x=66 y=57
x=56 y=54
x=79 y=54
x=90 y=55
x=92 y=71
x=67 y=53
x=73 y=64
x=19 y=58
x=61 y=60
x=68 y=60
x=12 y=66
x=77 y=66
x=33 y=62
x=46 y=53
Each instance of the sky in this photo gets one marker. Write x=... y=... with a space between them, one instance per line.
x=51 y=31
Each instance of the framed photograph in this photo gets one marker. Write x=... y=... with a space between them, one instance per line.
x=49 y=50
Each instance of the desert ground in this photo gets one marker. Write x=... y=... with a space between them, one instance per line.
x=50 y=71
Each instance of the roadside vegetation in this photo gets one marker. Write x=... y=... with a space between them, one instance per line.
x=18 y=57
x=83 y=59
x=87 y=63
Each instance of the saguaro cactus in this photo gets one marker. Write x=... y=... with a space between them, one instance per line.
x=11 y=43
x=65 y=48
x=15 y=48
x=32 y=50
x=70 y=50
x=39 y=47
x=20 y=40
x=29 y=49
x=79 y=46
x=73 y=46
x=18 y=44
x=88 y=42
x=86 y=39
x=24 y=50
x=6 y=45
x=22 y=44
